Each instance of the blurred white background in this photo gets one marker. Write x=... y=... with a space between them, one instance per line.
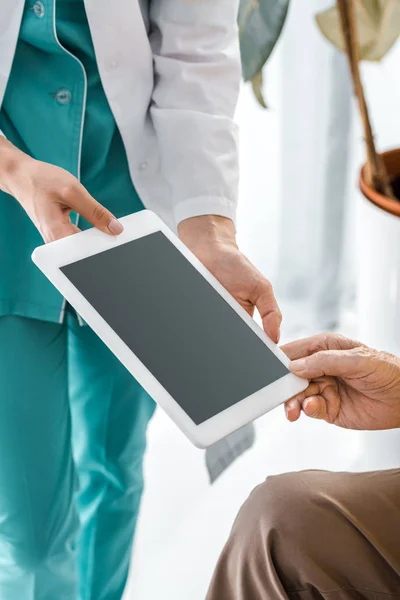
x=184 y=521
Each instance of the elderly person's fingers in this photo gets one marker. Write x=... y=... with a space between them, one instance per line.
x=293 y=409
x=293 y=406
x=337 y=363
x=356 y=388
x=317 y=343
x=326 y=404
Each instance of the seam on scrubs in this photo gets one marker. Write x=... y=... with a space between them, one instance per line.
x=105 y=489
x=31 y=520
x=62 y=313
x=74 y=331
x=30 y=310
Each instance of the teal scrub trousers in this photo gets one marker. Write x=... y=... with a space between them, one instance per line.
x=72 y=419
x=69 y=414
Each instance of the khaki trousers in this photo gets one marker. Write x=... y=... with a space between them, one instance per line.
x=313 y=535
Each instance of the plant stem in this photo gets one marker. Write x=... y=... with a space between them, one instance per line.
x=376 y=174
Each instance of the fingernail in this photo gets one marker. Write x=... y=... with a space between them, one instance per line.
x=289 y=412
x=115 y=227
x=290 y=408
x=278 y=337
x=306 y=403
x=314 y=414
x=298 y=365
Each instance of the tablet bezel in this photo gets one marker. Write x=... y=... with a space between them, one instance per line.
x=51 y=257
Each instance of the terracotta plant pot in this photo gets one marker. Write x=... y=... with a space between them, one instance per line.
x=378 y=263
x=392 y=162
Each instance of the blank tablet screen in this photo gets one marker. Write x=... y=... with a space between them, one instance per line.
x=177 y=324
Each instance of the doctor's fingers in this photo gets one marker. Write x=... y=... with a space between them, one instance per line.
x=267 y=306
x=77 y=198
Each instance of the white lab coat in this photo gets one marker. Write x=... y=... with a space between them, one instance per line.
x=171 y=73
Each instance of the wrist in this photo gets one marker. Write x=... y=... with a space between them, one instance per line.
x=12 y=163
x=207 y=229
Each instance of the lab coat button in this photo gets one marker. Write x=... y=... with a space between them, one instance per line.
x=143 y=166
x=112 y=64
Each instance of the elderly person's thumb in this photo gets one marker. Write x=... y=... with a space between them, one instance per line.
x=337 y=363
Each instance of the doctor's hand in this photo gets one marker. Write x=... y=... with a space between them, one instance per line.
x=212 y=240
x=351 y=385
x=49 y=194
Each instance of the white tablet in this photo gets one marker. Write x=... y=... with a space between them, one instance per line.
x=172 y=324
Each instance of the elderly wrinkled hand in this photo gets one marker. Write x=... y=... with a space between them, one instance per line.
x=351 y=385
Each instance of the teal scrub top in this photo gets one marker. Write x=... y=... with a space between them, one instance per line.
x=55 y=110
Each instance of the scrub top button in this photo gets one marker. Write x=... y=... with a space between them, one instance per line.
x=63 y=96
x=38 y=9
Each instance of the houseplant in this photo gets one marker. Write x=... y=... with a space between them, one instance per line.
x=260 y=25
x=367 y=30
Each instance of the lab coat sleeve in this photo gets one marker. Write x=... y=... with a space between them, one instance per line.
x=197 y=78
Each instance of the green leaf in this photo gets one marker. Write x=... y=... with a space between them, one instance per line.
x=378 y=25
x=260 y=25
